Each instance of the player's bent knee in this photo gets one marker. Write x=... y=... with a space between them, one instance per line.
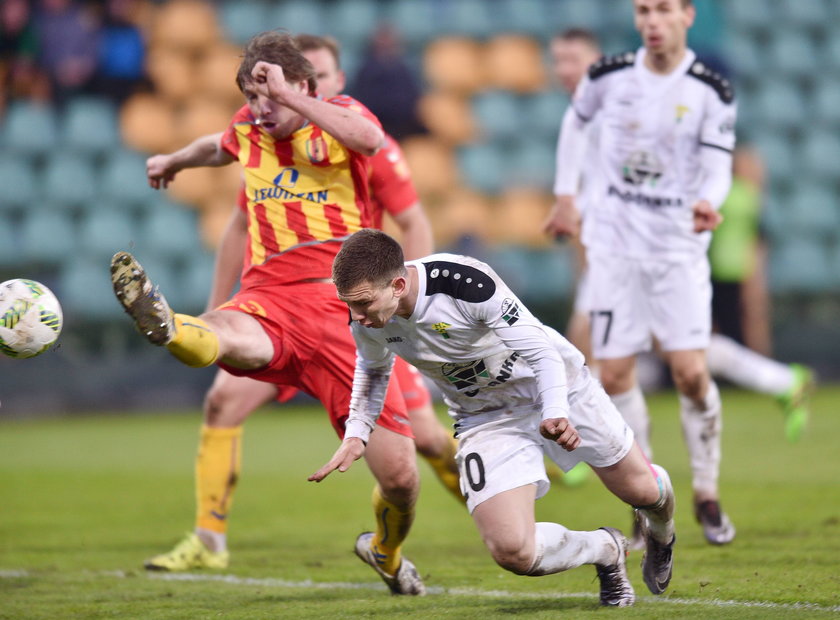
x=512 y=557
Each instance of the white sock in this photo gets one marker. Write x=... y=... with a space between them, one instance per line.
x=558 y=549
x=633 y=409
x=660 y=516
x=214 y=541
x=702 y=425
x=747 y=369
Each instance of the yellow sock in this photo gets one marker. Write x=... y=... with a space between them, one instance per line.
x=216 y=473
x=392 y=525
x=446 y=469
x=195 y=343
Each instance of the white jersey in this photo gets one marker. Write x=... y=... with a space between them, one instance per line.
x=651 y=168
x=475 y=340
x=588 y=181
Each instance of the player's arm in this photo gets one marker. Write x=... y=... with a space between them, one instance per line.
x=416 y=230
x=348 y=127
x=717 y=142
x=564 y=218
x=204 y=151
x=370 y=384
x=228 y=265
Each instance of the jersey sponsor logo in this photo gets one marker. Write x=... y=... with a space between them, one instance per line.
x=441 y=329
x=642 y=168
x=465 y=375
x=644 y=200
x=287 y=178
x=505 y=371
x=510 y=311
x=261 y=194
x=392 y=339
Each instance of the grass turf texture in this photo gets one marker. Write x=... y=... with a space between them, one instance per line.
x=86 y=499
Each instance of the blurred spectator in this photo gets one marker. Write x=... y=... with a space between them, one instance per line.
x=387 y=84
x=18 y=52
x=120 y=69
x=67 y=38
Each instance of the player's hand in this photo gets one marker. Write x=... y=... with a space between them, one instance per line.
x=564 y=219
x=705 y=216
x=561 y=431
x=270 y=80
x=351 y=449
x=160 y=171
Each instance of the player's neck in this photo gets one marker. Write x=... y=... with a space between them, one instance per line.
x=665 y=62
x=405 y=308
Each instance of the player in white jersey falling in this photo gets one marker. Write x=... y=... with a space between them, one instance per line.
x=663 y=168
x=517 y=390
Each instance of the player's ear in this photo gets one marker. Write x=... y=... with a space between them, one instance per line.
x=399 y=286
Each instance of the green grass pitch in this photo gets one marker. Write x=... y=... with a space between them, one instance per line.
x=84 y=500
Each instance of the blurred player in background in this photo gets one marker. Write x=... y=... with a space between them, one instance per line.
x=664 y=166
x=306 y=167
x=231 y=399
x=517 y=391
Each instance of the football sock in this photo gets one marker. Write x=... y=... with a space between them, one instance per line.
x=557 y=549
x=217 y=469
x=214 y=541
x=702 y=424
x=446 y=469
x=747 y=369
x=660 y=515
x=633 y=408
x=195 y=343
x=392 y=525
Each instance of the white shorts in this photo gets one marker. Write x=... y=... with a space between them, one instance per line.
x=633 y=300
x=508 y=452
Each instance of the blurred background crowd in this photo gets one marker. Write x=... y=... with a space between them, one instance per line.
x=91 y=88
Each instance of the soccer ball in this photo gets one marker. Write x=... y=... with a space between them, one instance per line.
x=30 y=318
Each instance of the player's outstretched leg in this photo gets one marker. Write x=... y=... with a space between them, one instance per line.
x=405 y=581
x=657 y=525
x=717 y=528
x=141 y=299
x=795 y=402
x=616 y=590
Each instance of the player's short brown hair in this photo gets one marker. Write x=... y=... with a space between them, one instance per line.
x=583 y=35
x=311 y=42
x=367 y=256
x=279 y=48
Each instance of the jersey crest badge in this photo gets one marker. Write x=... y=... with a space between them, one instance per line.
x=316 y=150
x=441 y=329
x=510 y=311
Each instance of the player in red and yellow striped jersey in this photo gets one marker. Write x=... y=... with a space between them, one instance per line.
x=306 y=172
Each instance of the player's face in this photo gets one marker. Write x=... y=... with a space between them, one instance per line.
x=331 y=80
x=372 y=306
x=571 y=59
x=663 y=24
x=277 y=120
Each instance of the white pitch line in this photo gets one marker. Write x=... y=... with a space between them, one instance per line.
x=343 y=585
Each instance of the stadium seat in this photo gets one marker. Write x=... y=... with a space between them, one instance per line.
x=812 y=14
x=454 y=64
x=17 y=182
x=103 y=231
x=779 y=155
x=820 y=154
x=197 y=278
x=815 y=210
x=417 y=20
x=69 y=181
x=216 y=76
x=147 y=124
x=10 y=250
x=753 y=15
x=201 y=116
x=242 y=19
x=193 y=186
x=825 y=103
x=578 y=13
x=530 y=162
x=47 y=236
x=544 y=275
x=462 y=212
x=794 y=54
x=498 y=114
x=298 y=16
x=353 y=21
x=85 y=290
x=519 y=216
x=542 y=112
x=174 y=73
x=799 y=265
x=779 y=105
x=189 y=26
x=448 y=116
x=524 y=17
x=748 y=60
x=169 y=230
x=89 y=126
x=124 y=184
x=484 y=167
x=432 y=164
x=514 y=62
x=472 y=18
x=29 y=129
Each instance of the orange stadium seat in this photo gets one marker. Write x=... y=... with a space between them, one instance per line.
x=173 y=72
x=200 y=116
x=147 y=123
x=454 y=64
x=448 y=116
x=519 y=216
x=514 y=62
x=216 y=74
x=187 y=25
x=432 y=164
x=462 y=212
x=193 y=186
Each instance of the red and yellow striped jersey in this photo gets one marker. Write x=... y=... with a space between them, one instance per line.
x=305 y=194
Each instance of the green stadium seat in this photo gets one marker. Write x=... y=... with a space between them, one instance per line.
x=47 y=236
x=525 y=17
x=579 y=13
x=800 y=265
x=85 y=290
x=813 y=14
x=749 y=62
x=196 y=281
x=297 y=16
x=104 y=231
x=89 y=126
x=352 y=22
x=472 y=18
x=10 y=250
x=30 y=129
x=821 y=154
x=498 y=114
x=825 y=103
x=535 y=275
x=530 y=162
x=416 y=20
x=17 y=181
x=750 y=15
x=483 y=167
x=779 y=155
x=543 y=112
x=242 y=19
x=69 y=180
x=124 y=182
x=169 y=230
x=779 y=105
x=815 y=210
x=794 y=54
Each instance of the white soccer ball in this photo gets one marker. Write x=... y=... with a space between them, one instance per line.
x=30 y=318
